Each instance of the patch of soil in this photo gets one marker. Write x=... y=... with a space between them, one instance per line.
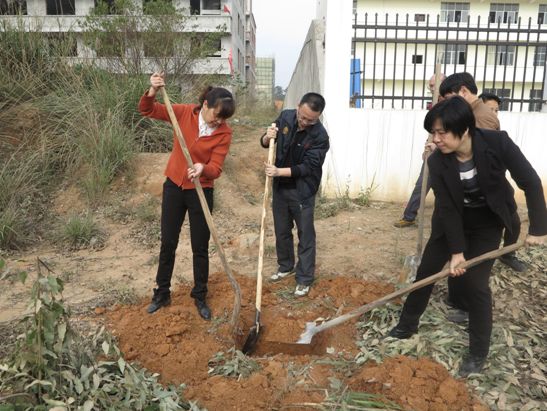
x=178 y=344
x=359 y=254
x=416 y=385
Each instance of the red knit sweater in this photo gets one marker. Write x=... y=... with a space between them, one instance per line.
x=208 y=150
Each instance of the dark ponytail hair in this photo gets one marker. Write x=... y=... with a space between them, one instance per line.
x=218 y=98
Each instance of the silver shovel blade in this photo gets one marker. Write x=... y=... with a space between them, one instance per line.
x=307 y=335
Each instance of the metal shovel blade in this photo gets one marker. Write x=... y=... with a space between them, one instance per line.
x=412 y=262
x=309 y=332
x=252 y=339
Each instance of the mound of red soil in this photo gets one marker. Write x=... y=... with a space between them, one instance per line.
x=416 y=385
x=176 y=343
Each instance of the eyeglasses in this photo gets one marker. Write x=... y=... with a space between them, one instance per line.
x=305 y=120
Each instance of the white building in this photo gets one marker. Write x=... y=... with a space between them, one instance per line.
x=56 y=17
x=379 y=146
x=250 y=48
x=396 y=44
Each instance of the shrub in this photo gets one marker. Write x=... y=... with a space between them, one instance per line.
x=53 y=366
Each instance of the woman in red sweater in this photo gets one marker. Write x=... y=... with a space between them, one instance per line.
x=208 y=138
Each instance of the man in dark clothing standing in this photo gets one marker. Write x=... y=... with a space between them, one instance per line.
x=302 y=144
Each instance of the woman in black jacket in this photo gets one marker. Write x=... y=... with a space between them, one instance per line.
x=473 y=202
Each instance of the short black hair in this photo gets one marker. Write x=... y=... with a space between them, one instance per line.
x=315 y=101
x=490 y=96
x=455 y=115
x=454 y=82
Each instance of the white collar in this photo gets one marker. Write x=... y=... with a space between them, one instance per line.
x=204 y=129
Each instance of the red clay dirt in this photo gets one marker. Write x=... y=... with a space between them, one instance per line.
x=176 y=343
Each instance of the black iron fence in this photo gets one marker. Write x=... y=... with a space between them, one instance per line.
x=393 y=60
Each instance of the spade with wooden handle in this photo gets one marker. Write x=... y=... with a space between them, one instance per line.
x=312 y=329
x=252 y=338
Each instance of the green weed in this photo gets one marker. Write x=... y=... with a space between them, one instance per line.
x=82 y=231
x=239 y=365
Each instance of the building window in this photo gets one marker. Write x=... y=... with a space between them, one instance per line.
x=210 y=7
x=13 y=7
x=503 y=93
x=501 y=55
x=419 y=18
x=453 y=54
x=454 y=12
x=539 y=56
x=542 y=14
x=536 y=97
x=503 y=13
x=417 y=59
x=215 y=48
x=60 y=7
x=195 y=7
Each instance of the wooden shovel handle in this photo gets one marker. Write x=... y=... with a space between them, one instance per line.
x=267 y=187
x=206 y=211
x=425 y=175
x=418 y=284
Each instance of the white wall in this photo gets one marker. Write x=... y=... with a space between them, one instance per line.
x=308 y=72
x=386 y=145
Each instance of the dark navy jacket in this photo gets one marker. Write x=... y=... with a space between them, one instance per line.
x=308 y=155
x=494 y=153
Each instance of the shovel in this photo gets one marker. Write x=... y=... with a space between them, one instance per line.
x=206 y=212
x=312 y=329
x=412 y=262
x=252 y=339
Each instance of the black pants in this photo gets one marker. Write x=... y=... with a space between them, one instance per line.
x=482 y=234
x=175 y=203
x=287 y=210
x=511 y=237
x=455 y=298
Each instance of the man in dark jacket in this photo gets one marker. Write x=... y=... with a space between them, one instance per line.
x=302 y=144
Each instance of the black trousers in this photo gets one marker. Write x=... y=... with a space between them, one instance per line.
x=287 y=209
x=482 y=234
x=455 y=298
x=175 y=203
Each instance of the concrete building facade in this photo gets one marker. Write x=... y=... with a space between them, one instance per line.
x=250 y=49
x=229 y=17
x=265 y=79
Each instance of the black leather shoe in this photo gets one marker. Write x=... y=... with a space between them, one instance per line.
x=512 y=261
x=457 y=316
x=471 y=365
x=402 y=333
x=158 y=301
x=203 y=310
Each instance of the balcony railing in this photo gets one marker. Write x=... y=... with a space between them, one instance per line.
x=64 y=23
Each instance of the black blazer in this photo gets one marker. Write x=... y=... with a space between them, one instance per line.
x=494 y=153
